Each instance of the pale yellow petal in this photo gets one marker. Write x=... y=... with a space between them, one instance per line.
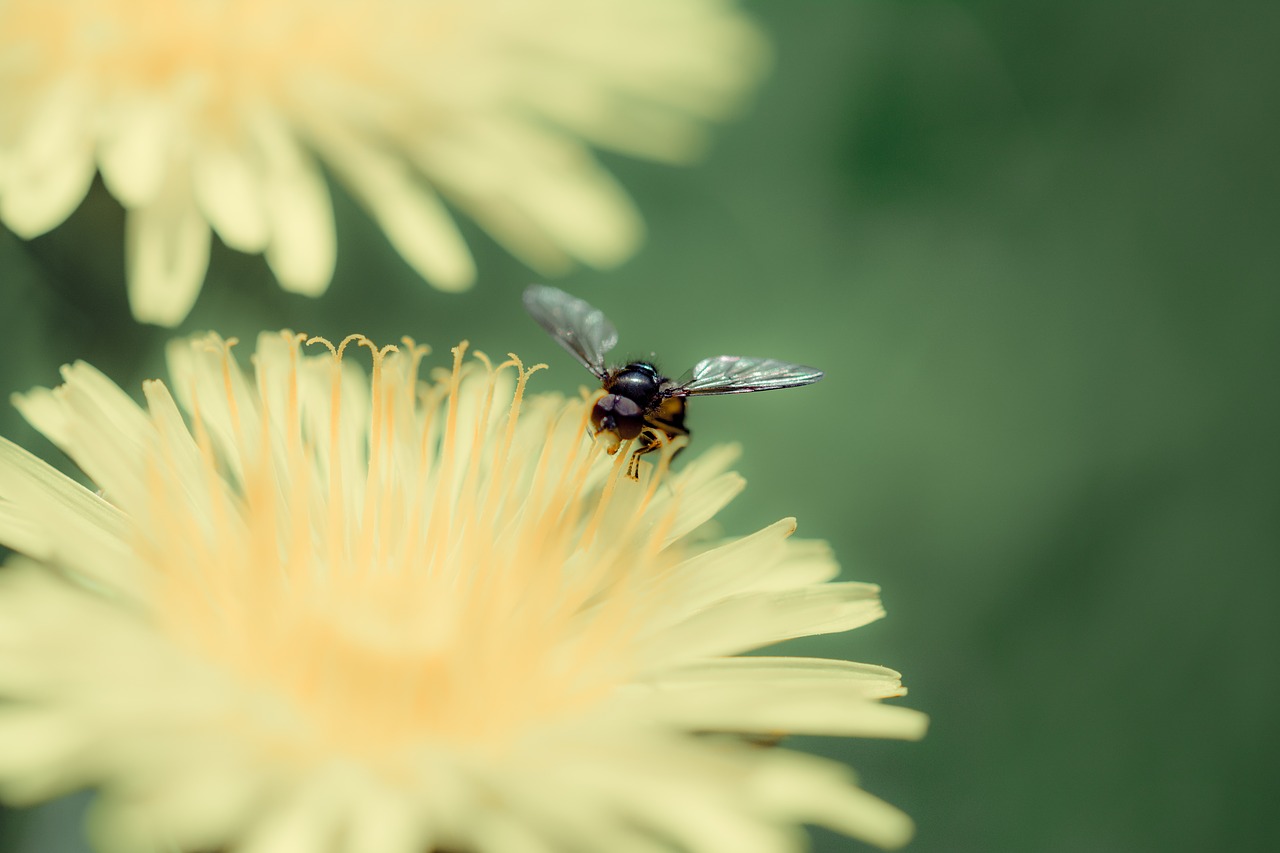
x=755 y=620
x=211 y=387
x=410 y=213
x=845 y=710
x=68 y=648
x=383 y=819
x=308 y=820
x=733 y=567
x=645 y=97
x=101 y=428
x=497 y=830
x=50 y=166
x=541 y=193
x=704 y=499
x=567 y=813
x=473 y=171
x=20 y=533
x=36 y=198
x=583 y=209
x=795 y=671
x=814 y=790
x=663 y=785
x=45 y=411
x=302 y=248
x=228 y=193
x=52 y=123
x=136 y=147
x=38 y=755
x=203 y=807
x=45 y=514
x=804 y=563
x=166 y=255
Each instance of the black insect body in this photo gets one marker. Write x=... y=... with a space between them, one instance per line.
x=639 y=402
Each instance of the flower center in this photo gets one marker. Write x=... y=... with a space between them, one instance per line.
x=397 y=558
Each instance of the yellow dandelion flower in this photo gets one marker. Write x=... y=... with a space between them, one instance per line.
x=331 y=609
x=205 y=114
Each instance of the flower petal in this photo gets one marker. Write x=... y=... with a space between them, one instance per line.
x=756 y=620
x=136 y=144
x=384 y=820
x=540 y=193
x=34 y=202
x=47 y=515
x=845 y=710
x=214 y=391
x=226 y=189
x=793 y=786
x=411 y=215
x=306 y=822
x=166 y=254
x=38 y=750
x=302 y=247
x=582 y=208
x=879 y=681
x=689 y=793
x=731 y=568
x=49 y=169
x=203 y=806
x=98 y=425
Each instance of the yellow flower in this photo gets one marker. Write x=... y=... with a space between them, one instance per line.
x=215 y=113
x=331 y=610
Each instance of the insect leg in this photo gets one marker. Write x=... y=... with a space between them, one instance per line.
x=649 y=441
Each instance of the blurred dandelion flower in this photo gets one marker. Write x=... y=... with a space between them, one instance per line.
x=329 y=610
x=215 y=115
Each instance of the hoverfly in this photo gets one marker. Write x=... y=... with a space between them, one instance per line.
x=639 y=402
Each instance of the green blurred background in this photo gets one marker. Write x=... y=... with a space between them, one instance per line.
x=1033 y=245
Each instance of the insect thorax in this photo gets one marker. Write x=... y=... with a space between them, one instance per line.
x=638 y=381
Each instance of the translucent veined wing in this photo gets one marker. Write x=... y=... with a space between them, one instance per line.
x=578 y=327
x=736 y=374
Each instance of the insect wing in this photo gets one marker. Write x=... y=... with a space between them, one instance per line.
x=735 y=374
x=578 y=327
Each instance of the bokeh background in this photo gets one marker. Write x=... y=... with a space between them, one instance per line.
x=1034 y=246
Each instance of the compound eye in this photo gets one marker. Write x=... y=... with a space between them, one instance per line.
x=618 y=415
